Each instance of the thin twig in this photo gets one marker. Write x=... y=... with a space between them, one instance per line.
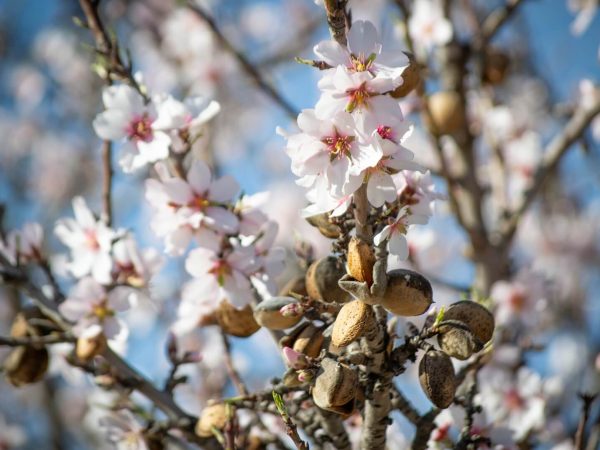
x=231 y=370
x=248 y=67
x=553 y=154
x=587 y=400
x=290 y=426
x=496 y=19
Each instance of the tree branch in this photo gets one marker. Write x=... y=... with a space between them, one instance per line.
x=248 y=67
x=553 y=154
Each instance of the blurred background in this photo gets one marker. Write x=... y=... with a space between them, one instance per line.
x=49 y=153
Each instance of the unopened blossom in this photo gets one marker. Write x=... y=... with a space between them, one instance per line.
x=395 y=232
x=90 y=242
x=124 y=431
x=128 y=118
x=23 y=245
x=427 y=25
x=184 y=120
x=195 y=207
x=417 y=190
x=93 y=308
x=364 y=53
x=330 y=148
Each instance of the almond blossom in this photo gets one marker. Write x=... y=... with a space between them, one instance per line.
x=417 y=190
x=217 y=277
x=194 y=207
x=331 y=148
x=90 y=242
x=128 y=118
x=93 y=308
x=132 y=266
x=24 y=245
x=124 y=431
x=364 y=53
x=184 y=120
x=395 y=232
x=427 y=25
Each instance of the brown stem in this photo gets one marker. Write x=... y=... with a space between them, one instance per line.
x=553 y=154
x=587 y=400
x=496 y=19
x=35 y=341
x=231 y=370
x=248 y=67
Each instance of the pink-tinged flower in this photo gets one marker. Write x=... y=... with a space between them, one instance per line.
x=194 y=207
x=521 y=301
x=417 y=191
x=90 y=242
x=321 y=200
x=23 y=245
x=252 y=218
x=427 y=25
x=94 y=309
x=124 y=431
x=330 y=148
x=395 y=232
x=364 y=54
x=358 y=92
x=222 y=276
x=184 y=120
x=516 y=401
x=132 y=266
x=127 y=118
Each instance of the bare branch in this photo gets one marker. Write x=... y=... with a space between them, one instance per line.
x=248 y=67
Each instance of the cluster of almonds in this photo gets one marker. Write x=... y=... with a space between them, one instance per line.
x=329 y=310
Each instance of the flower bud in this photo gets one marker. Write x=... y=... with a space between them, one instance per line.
x=361 y=260
x=294 y=359
x=322 y=281
x=408 y=293
x=290 y=379
x=269 y=313
x=351 y=322
x=305 y=376
x=213 y=416
x=436 y=375
x=495 y=66
x=236 y=322
x=292 y=310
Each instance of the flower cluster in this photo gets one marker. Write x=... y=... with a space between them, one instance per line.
x=110 y=268
x=234 y=237
x=150 y=128
x=355 y=136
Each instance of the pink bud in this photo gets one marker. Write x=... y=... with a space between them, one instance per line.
x=305 y=376
x=291 y=310
x=294 y=359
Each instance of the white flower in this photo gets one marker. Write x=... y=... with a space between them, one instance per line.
x=184 y=120
x=358 y=92
x=417 y=191
x=395 y=232
x=364 y=53
x=427 y=25
x=516 y=401
x=222 y=276
x=127 y=117
x=132 y=266
x=124 y=431
x=194 y=207
x=93 y=309
x=521 y=301
x=330 y=148
x=90 y=241
x=23 y=245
